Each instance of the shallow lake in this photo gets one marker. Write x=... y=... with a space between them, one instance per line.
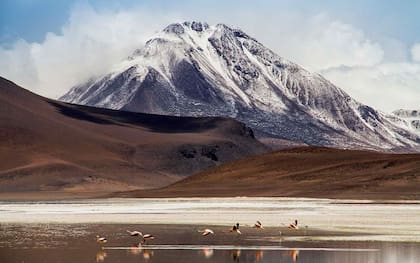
x=330 y=230
x=179 y=243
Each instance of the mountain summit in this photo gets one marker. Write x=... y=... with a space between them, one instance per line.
x=193 y=69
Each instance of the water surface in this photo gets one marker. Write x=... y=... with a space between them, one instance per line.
x=176 y=243
x=331 y=230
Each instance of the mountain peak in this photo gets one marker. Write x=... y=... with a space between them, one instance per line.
x=193 y=69
x=200 y=27
x=179 y=28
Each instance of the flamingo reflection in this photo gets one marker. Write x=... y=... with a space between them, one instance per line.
x=146 y=253
x=235 y=254
x=100 y=256
x=259 y=255
x=134 y=250
x=207 y=252
x=294 y=253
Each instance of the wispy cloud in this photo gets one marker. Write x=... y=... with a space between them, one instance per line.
x=321 y=42
x=415 y=52
x=89 y=44
x=386 y=86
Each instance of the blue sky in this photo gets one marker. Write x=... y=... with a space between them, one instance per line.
x=370 y=48
x=32 y=19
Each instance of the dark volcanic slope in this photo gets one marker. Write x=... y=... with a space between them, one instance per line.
x=49 y=145
x=306 y=172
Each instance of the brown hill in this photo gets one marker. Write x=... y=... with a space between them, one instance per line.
x=305 y=172
x=46 y=145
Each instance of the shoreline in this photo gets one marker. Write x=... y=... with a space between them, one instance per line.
x=363 y=220
x=51 y=196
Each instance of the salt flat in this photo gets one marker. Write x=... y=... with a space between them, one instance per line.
x=380 y=221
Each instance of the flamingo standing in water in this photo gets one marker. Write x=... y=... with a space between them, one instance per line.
x=258 y=225
x=145 y=237
x=101 y=240
x=235 y=229
x=134 y=233
x=206 y=232
x=294 y=225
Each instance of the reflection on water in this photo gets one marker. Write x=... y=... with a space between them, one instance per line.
x=100 y=256
x=386 y=253
x=235 y=254
x=207 y=252
x=405 y=253
x=294 y=253
x=259 y=255
x=134 y=250
x=147 y=254
x=139 y=251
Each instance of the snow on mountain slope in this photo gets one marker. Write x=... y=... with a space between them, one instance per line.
x=411 y=118
x=193 y=69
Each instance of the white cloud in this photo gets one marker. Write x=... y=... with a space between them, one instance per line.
x=319 y=42
x=89 y=44
x=415 y=52
x=387 y=86
x=17 y=64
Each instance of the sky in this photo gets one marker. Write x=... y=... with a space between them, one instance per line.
x=369 y=48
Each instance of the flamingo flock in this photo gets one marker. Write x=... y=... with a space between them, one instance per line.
x=205 y=232
x=142 y=248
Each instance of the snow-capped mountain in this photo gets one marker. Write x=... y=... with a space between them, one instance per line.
x=193 y=69
x=411 y=117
